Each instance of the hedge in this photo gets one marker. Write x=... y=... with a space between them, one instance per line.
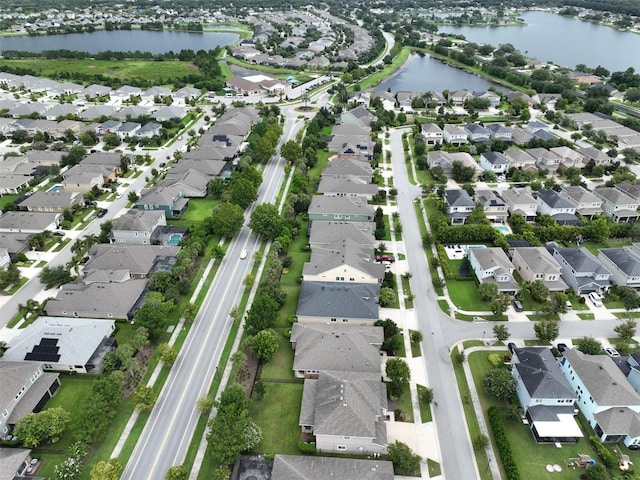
x=502 y=442
x=606 y=455
x=444 y=262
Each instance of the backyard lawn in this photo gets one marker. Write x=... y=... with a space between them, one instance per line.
x=465 y=296
x=200 y=209
x=277 y=415
x=281 y=366
x=530 y=456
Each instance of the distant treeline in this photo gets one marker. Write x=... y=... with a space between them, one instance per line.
x=184 y=55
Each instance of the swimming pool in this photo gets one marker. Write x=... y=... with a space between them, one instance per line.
x=55 y=188
x=503 y=229
x=174 y=239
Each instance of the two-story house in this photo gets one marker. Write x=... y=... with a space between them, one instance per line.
x=520 y=202
x=592 y=153
x=446 y=160
x=494 y=162
x=586 y=203
x=569 y=157
x=562 y=210
x=459 y=205
x=495 y=209
x=338 y=302
x=581 y=270
x=454 y=135
x=500 y=132
x=520 y=159
x=477 y=133
x=332 y=208
x=605 y=397
x=136 y=226
x=170 y=199
x=630 y=189
x=618 y=205
x=431 y=133
x=545 y=396
x=493 y=97
x=458 y=97
x=347 y=186
x=536 y=263
x=623 y=263
x=545 y=159
x=50 y=201
x=493 y=265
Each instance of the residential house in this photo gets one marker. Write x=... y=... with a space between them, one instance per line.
x=117 y=263
x=562 y=210
x=494 y=162
x=431 y=133
x=500 y=132
x=82 y=178
x=169 y=199
x=545 y=159
x=13 y=243
x=95 y=91
x=477 y=133
x=135 y=227
x=342 y=165
x=605 y=397
x=520 y=159
x=193 y=183
x=94 y=112
x=25 y=389
x=345 y=411
x=459 y=205
x=405 y=100
x=536 y=263
x=12 y=184
x=458 y=97
x=358 y=116
x=127 y=91
x=494 y=98
x=520 y=137
x=547 y=99
x=320 y=347
x=493 y=265
x=29 y=222
x=454 y=135
x=168 y=113
x=115 y=300
x=50 y=201
x=187 y=93
x=338 y=302
x=632 y=190
x=5 y=257
x=445 y=160
x=16 y=463
x=592 y=153
x=353 y=209
x=128 y=129
x=586 y=203
x=387 y=100
x=344 y=261
x=623 y=263
x=347 y=186
x=495 y=209
x=621 y=207
x=633 y=375
x=534 y=126
x=110 y=126
x=149 y=130
x=569 y=157
x=161 y=92
x=323 y=234
x=581 y=270
x=545 y=396
x=60 y=110
x=351 y=140
x=298 y=467
x=110 y=160
x=64 y=344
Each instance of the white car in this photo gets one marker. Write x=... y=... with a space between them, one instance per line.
x=612 y=352
x=596 y=299
x=244 y=254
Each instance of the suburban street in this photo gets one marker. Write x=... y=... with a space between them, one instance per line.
x=168 y=432
x=442 y=332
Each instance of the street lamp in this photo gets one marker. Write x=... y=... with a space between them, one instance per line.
x=483 y=337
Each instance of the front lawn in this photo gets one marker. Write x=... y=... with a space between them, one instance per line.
x=281 y=365
x=405 y=406
x=464 y=294
x=277 y=414
x=200 y=209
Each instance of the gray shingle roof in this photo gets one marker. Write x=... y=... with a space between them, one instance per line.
x=490 y=257
x=345 y=252
x=458 y=198
x=613 y=195
x=327 y=233
x=603 y=379
x=136 y=259
x=337 y=347
x=339 y=300
x=582 y=260
x=321 y=205
x=27 y=220
x=346 y=166
x=624 y=258
x=553 y=199
x=346 y=184
x=495 y=158
x=11 y=459
x=137 y=220
x=297 y=467
x=619 y=421
x=59 y=199
x=541 y=375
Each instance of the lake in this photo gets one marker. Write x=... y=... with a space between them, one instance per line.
x=562 y=40
x=422 y=74
x=122 y=41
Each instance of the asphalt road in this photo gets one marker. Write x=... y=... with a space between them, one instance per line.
x=168 y=432
x=441 y=332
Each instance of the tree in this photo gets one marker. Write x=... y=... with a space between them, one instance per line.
x=538 y=290
x=596 y=472
x=34 y=428
x=205 y=404
x=145 y=397
x=252 y=435
x=227 y=220
x=626 y=330
x=405 y=462
x=557 y=303
x=499 y=383
x=546 y=330
x=392 y=344
x=177 y=472
x=499 y=305
x=262 y=314
x=132 y=197
x=266 y=221
x=221 y=473
x=501 y=332
x=480 y=442
x=291 y=151
x=265 y=345
x=629 y=297
x=389 y=326
x=398 y=373
x=111 y=140
x=426 y=395
x=226 y=434
x=106 y=470
x=415 y=336
x=168 y=354
x=153 y=314
x=71 y=468
x=242 y=192
x=189 y=311
x=589 y=345
x=488 y=291
x=55 y=276
x=386 y=296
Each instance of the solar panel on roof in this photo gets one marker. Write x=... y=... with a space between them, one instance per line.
x=45 y=351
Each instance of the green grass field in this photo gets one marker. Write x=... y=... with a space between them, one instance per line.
x=155 y=72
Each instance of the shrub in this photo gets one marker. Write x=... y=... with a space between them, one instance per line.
x=606 y=455
x=444 y=263
x=306 y=448
x=502 y=443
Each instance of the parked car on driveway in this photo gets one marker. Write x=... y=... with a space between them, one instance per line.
x=612 y=352
x=596 y=299
x=517 y=304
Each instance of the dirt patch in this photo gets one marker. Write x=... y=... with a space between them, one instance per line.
x=247 y=374
x=133 y=376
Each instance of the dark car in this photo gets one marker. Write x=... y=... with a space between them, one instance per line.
x=511 y=346
x=562 y=347
x=162 y=165
x=58 y=233
x=102 y=213
x=517 y=304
